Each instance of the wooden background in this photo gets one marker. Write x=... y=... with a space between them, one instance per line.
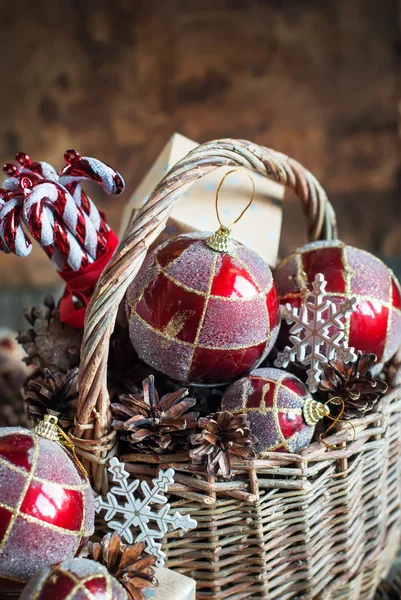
x=316 y=80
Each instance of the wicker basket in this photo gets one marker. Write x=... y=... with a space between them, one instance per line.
x=321 y=524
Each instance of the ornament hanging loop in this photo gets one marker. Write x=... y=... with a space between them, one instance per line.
x=228 y=227
x=335 y=420
x=221 y=239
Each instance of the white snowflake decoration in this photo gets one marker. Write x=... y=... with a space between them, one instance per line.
x=138 y=512
x=312 y=343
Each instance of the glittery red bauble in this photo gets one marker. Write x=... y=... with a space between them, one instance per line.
x=202 y=316
x=274 y=402
x=46 y=505
x=75 y=579
x=375 y=325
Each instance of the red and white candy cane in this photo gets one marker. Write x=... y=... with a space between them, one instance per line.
x=41 y=170
x=81 y=168
x=55 y=210
x=13 y=237
x=57 y=213
x=54 y=219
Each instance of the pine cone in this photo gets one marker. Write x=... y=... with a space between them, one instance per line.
x=53 y=393
x=223 y=435
x=50 y=343
x=125 y=563
x=352 y=386
x=151 y=424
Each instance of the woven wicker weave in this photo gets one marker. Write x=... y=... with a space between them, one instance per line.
x=322 y=524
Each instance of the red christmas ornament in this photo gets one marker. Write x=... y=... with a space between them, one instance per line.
x=281 y=411
x=46 y=504
x=375 y=325
x=203 y=309
x=74 y=579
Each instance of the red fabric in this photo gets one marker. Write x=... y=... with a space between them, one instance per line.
x=81 y=284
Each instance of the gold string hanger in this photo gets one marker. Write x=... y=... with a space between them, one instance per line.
x=51 y=430
x=335 y=420
x=221 y=240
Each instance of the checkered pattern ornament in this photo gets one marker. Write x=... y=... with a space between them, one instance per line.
x=46 y=505
x=375 y=324
x=281 y=412
x=203 y=309
x=76 y=579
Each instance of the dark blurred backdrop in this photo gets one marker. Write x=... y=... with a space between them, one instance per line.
x=114 y=79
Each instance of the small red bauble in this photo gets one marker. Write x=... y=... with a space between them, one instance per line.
x=281 y=411
x=46 y=505
x=74 y=579
x=375 y=325
x=203 y=316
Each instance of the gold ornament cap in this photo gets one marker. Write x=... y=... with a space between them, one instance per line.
x=221 y=240
x=314 y=411
x=48 y=428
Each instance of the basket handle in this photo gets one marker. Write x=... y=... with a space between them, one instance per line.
x=94 y=439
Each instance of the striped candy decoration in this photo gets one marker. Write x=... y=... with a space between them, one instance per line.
x=55 y=209
x=13 y=237
x=80 y=168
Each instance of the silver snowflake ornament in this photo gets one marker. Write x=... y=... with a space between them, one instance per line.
x=137 y=511
x=317 y=333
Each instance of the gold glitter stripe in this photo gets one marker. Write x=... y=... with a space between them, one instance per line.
x=386 y=304
x=80 y=587
x=349 y=273
x=269 y=409
x=273 y=381
x=141 y=292
x=202 y=319
x=244 y=394
x=21 y=471
x=179 y=283
x=30 y=519
x=9 y=578
x=191 y=344
x=275 y=410
x=187 y=288
x=279 y=444
x=301 y=277
x=49 y=576
x=79 y=584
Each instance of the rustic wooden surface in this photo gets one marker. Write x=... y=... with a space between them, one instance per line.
x=316 y=80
